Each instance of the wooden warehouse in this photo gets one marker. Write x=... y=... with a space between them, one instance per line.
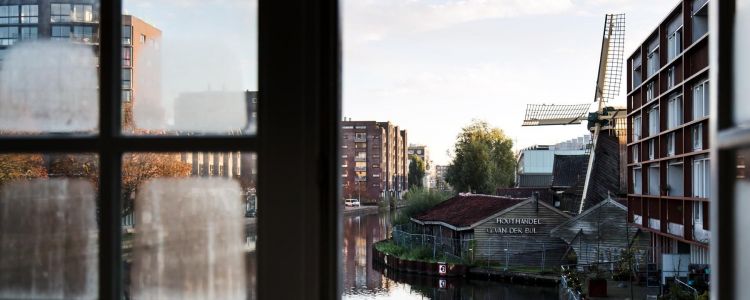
x=498 y=229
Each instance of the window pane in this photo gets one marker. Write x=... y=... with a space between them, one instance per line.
x=194 y=215
x=48 y=86
x=48 y=226
x=192 y=77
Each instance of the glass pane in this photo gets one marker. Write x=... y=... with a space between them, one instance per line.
x=189 y=225
x=48 y=74
x=191 y=77
x=48 y=226
x=741 y=63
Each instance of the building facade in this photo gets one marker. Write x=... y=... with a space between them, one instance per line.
x=535 y=163
x=423 y=152
x=440 y=183
x=668 y=142
x=374 y=161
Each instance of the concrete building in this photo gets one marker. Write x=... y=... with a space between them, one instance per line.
x=423 y=152
x=374 y=161
x=440 y=183
x=535 y=163
x=668 y=141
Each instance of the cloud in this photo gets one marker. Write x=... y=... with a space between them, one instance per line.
x=371 y=20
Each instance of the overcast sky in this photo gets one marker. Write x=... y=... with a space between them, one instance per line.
x=429 y=66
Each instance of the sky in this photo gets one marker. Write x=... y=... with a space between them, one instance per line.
x=429 y=66
x=433 y=66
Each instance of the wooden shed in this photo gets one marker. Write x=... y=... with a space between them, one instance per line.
x=601 y=233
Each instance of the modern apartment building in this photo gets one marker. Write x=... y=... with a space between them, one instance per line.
x=136 y=35
x=423 y=152
x=668 y=144
x=440 y=183
x=374 y=160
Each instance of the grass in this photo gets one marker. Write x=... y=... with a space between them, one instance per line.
x=416 y=254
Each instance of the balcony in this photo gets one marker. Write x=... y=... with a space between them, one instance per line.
x=654 y=224
x=360 y=158
x=676 y=229
x=362 y=169
x=638 y=219
x=701 y=235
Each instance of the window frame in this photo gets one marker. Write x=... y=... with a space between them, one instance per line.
x=300 y=79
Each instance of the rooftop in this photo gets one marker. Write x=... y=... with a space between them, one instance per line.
x=465 y=210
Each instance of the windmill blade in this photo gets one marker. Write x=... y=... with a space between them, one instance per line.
x=542 y=114
x=611 y=58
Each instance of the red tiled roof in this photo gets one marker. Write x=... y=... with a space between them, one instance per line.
x=462 y=211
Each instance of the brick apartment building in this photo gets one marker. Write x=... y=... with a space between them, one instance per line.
x=374 y=161
x=668 y=142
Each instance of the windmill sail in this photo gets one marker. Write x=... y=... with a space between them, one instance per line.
x=542 y=114
x=612 y=55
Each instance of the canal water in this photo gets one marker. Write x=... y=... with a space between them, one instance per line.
x=363 y=280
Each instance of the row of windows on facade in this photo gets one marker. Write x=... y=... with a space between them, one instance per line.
x=701 y=187
x=11 y=34
x=675 y=112
x=674 y=43
x=29 y=14
x=696 y=133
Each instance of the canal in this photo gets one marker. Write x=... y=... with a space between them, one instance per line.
x=362 y=280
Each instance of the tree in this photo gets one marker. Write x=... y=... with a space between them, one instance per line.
x=21 y=166
x=483 y=159
x=416 y=171
x=139 y=167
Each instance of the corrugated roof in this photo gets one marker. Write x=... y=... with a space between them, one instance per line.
x=465 y=210
x=568 y=169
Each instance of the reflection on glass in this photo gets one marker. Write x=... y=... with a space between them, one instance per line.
x=49 y=86
x=189 y=225
x=190 y=77
x=48 y=231
x=189 y=240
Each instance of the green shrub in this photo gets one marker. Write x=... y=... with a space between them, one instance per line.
x=390 y=248
x=419 y=200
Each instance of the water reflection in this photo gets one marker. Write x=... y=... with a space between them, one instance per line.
x=363 y=280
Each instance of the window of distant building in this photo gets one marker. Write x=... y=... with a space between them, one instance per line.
x=671 y=74
x=671 y=143
x=127 y=56
x=126 y=79
x=9 y=14
x=701 y=177
x=674 y=41
x=127 y=33
x=8 y=35
x=697 y=134
x=61 y=12
x=127 y=95
x=83 y=13
x=636 y=153
x=653 y=121
x=674 y=111
x=29 y=33
x=60 y=32
x=143 y=38
x=637 y=181
x=649 y=91
x=652 y=149
x=637 y=134
x=360 y=145
x=83 y=33
x=700 y=100
x=652 y=60
x=29 y=14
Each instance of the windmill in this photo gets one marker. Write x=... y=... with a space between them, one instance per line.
x=607 y=87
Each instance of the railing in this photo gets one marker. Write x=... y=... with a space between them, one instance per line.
x=676 y=229
x=360 y=168
x=360 y=139
x=359 y=158
x=654 y=224
x=687 y=287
